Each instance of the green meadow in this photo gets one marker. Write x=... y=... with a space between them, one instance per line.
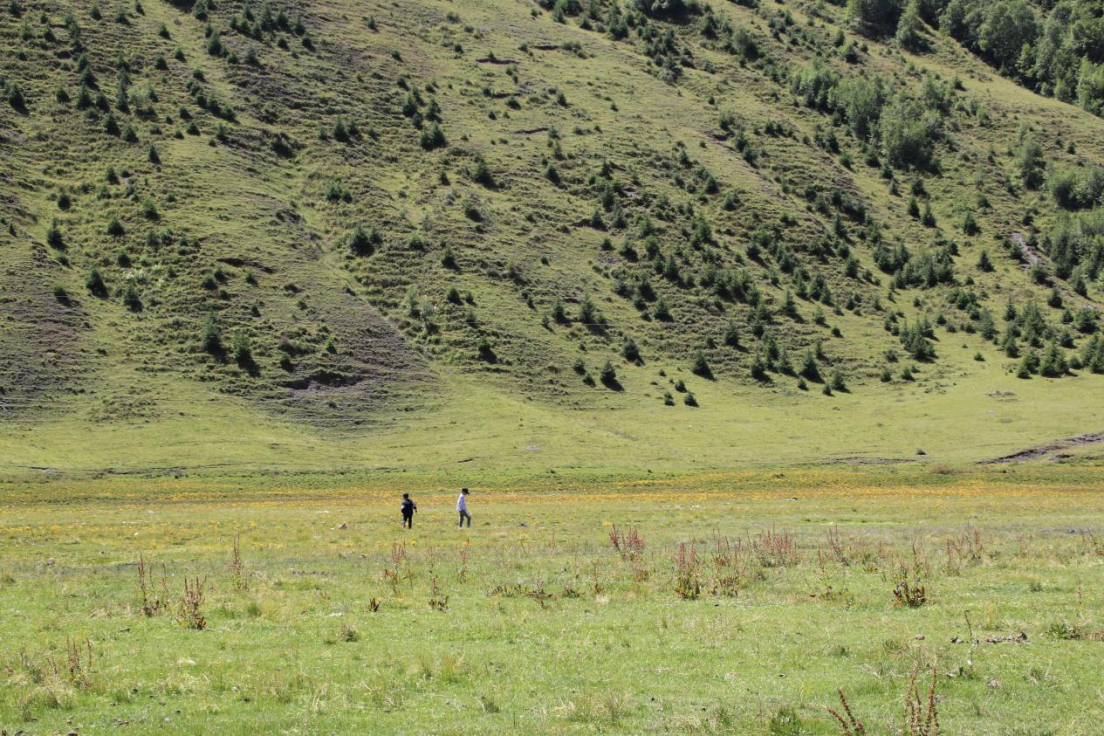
x=766 y=333
x=733 y=602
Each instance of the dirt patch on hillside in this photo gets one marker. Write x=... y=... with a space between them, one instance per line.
x=1031 y=256
x=1041 y=452
x=42 y=356
x=858 y=460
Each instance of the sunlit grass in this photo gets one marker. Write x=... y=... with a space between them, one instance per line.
x=339 y=621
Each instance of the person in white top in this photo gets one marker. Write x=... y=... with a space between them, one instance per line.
x=462 y=507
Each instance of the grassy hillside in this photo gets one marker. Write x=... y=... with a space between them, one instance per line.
x=326 y=234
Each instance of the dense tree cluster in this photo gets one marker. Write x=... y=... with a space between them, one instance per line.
x=904 y=125
x=1055 y=48
x=1076 y=246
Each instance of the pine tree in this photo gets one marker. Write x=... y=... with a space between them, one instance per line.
x=759 y=367
x=809 y=367
x=242 y=350
x=559 y=314
x=433 y=137
x=630 y=351
x=970 y=225
x=1053 y=363
x=608 y=375
x=482 y=174
x=914 y=208
x=588 y=312
x=789 y=307
x=364 y=242
x=700 y=366
x=95 y=283
x=131 y=299
x=212 y=338
x=54 y=237
x=929 y=217
x=1029 y=365
x=731 y=335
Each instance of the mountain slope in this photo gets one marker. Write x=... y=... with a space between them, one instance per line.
x=338 y=222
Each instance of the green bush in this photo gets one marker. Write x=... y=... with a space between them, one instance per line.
x=149 y=209
x=242 y=350
x=809 y=367
x=910 y=28
x=588 y=312
x=874 y=17
x=132 y=300
x=731 y=335
x=1030 y=161
x=364 y=242
x=837 y=382
x=608 y=375
x=95 y=284
x=433 y=137
x=486 y=352
x=700 y=366
x=907 y=129
x=860 y=100
x=448 y=258
x=1053 y=363
x=630 y=351
x=481 y=174
x=54 y=237
x=814 y=84
x=336 y=192
x=211 y=337
x=16 y=98
x=970 y=225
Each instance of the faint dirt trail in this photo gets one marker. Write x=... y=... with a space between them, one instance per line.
x=1031 y=256
x=1040 y=452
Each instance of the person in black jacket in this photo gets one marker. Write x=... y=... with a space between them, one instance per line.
x=408 y=509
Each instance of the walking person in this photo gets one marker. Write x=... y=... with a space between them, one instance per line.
x=408 y=509
x=462 y=507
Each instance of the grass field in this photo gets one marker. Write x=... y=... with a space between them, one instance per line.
x=965 y=412
x=753 y=596
x=723 y=368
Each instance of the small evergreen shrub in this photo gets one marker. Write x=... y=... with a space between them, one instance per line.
x=95 y=284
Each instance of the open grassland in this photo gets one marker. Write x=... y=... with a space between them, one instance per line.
x=974 y=412
x=738 y=602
